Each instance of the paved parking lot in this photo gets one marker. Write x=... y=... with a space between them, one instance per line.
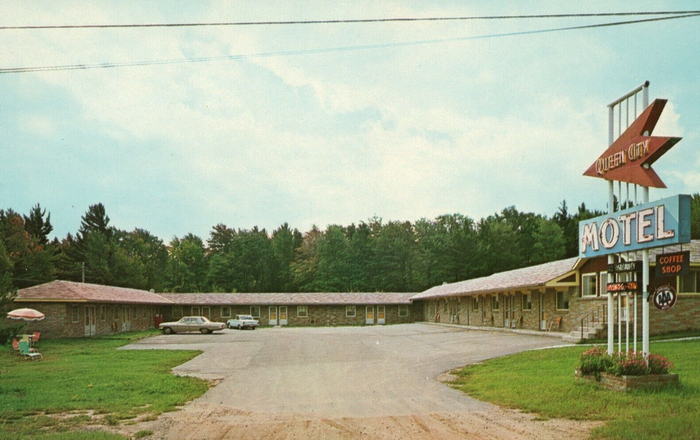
x=272 y=376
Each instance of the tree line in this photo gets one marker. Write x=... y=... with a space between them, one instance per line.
x=372 y=255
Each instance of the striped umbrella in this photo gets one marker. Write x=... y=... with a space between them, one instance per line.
x=26 y=314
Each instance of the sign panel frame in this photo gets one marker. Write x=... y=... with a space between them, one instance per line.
x=663 y=222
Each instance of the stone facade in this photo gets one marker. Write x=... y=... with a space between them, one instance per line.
x=505 y=309
x=315 y=315
x=90 y=319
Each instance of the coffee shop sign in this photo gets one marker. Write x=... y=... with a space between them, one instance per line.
x=660 y=223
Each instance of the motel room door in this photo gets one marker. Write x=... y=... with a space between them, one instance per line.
x=369 y=314
x=381 y=318
x=277 y=315
x=282 y=314
x=543 y=321
x=90 y=321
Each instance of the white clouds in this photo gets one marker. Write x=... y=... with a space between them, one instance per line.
x=402 y=133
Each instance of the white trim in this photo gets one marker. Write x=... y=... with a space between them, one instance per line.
x=253 y=314
x=602 y=282
x=595 y=284
x=354 y=311
x=305 y=309
x=495 y=305
x=523 y=302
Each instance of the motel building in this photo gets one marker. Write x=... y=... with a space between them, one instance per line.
x=567 y=296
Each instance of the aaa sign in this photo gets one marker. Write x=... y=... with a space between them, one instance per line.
x=660 y=223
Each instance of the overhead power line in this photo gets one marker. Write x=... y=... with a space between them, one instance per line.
x=347 y=21
x=106 y=65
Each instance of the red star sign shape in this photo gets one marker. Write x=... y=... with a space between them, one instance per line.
x=629 y=158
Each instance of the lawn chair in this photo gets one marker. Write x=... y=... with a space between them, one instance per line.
x=24 y=350
x=35 y=337
x=15 y=345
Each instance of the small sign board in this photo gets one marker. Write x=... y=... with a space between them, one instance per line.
x=624 y=286
x=673 y=264
x=626 y=266
x=664 y=297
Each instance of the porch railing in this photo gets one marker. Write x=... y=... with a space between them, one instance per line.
x=598 y=315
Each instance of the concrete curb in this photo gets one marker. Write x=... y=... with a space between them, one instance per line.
x=501 y=329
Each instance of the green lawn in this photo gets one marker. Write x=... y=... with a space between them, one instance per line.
x=543 y=382
x=89 y=374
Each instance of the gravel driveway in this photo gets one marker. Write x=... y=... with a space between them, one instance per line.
x=344 y=382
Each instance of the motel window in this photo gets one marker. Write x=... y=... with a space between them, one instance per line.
x=444 y=306
x=602 y=283
x=562 y=300
x=403 y=310
x=350 y=312
x=102 y=313
x=255 y=311
x=75 y=314
x=475 y=303
x=195 y=311
x=177 y=312
x=206 y=312
x=225 y=312
x=588 y=284
x=495 y=305
x=690 y=282
x=302 y=312
x=527 y=301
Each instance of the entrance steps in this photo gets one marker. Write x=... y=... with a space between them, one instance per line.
x=589 y=332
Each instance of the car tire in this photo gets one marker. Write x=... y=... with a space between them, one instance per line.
x=168 y=331
x=204 y=331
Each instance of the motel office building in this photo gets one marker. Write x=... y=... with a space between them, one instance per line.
x=556 y=296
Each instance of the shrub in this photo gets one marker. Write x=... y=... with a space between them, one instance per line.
x=594 y=361
x=659 y=364
x=628 y=364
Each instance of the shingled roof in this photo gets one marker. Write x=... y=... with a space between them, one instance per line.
x=525 y=277
x=307 y=298
x=69 y=291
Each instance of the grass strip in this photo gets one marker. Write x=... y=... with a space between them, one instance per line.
x=87 y=381
x=542 y=382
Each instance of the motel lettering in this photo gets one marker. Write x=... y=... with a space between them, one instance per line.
x=649 y=225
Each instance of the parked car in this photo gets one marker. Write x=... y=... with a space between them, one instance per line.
x=243 y=321
x=191 y=324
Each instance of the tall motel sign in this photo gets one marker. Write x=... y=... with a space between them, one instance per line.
x=631 y=224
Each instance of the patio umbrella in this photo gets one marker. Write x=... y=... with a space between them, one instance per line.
x=26 y=314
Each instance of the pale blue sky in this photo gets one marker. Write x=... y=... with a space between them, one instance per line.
x=398 y=132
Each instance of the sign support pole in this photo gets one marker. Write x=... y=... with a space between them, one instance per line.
x=645 y=287
x=611 y=259
x=645 y=256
